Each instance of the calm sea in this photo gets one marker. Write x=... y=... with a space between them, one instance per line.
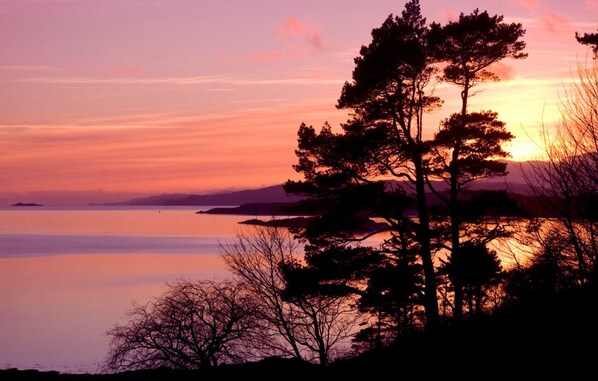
x=69 y=274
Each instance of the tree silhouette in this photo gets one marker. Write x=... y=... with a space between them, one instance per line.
x=475 y=269
x=348 y=173
x=588 y=39
x=392 y=298
x=468 y=144
x=463 y=152
x=193 y=325
x=304 y=327
x=383 y=139
x=470 y=45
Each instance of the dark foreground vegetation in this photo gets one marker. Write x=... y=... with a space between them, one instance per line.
x=544 y=335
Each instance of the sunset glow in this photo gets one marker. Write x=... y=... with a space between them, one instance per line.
x=194 y=96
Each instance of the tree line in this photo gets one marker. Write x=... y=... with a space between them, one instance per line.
x=313 y=294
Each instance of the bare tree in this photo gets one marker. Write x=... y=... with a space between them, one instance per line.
x=307 y=327
x=192 y=325
x=568 y=183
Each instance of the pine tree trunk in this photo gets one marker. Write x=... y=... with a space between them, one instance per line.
x=423 y=238
x=454 y=215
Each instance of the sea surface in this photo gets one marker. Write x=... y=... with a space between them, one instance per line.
x=67 y=275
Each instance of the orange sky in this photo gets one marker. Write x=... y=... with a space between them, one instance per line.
x=192 y=96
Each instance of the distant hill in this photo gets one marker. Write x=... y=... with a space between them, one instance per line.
x=26 y=204
x=271 y=194
x=513 y=182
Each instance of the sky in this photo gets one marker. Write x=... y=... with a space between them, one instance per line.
x=102 y=98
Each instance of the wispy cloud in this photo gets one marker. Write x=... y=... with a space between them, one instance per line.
x=23 y=67
x=503 y=70
x=154 y=152
x=184 y=81
x=545 y=17
x=193 y=80
x=308 y=81
x=217 y=89
x=554 y=23
x=300 y=39
x=309 y=34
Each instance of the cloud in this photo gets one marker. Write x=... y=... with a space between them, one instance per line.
x=8 y=130
x=184 y=81
x=554 y=23
x=292 y=28
x=504 y=71
x=300 y=39
x=307 y=81
x=150 y=153
x=193 y=80
x=23 y=68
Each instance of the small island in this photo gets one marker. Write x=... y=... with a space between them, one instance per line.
x=256 y=209
x=296 y=222
x=26 y=204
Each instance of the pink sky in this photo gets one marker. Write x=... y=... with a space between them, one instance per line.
x=191 y=96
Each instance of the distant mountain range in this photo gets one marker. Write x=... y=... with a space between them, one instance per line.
x=514 y=182
x=269 y=194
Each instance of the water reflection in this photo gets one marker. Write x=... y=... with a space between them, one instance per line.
x=66 y=276
x=56 y=309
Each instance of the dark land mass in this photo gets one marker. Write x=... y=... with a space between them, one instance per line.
x=540 y=336
x=276 y=194
x=262 y=195
x=303 y=222
x=295 y=222
x=256 y=209
x=514 y=182
x=492 y=201
x=26 y=204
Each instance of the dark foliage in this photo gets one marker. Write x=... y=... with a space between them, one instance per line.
x=473 y=43
x=541 y=336
x=487 y=204
x=474 y=268
x=344 y=171
x=588 y=39
x=390 y=92
x=477 y=138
